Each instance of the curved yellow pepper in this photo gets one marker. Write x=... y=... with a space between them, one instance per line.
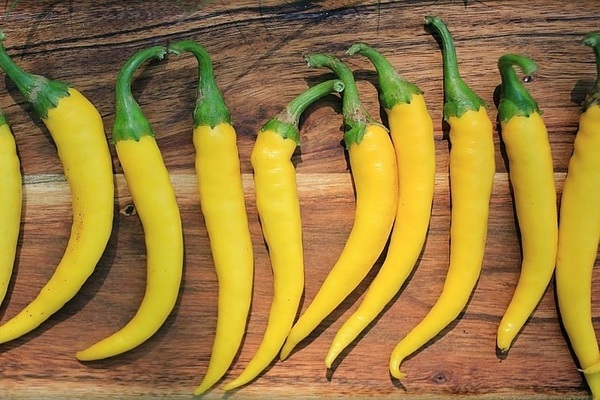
x=279 y=211
x=472 y=169
x=471 y=176
x=155 y=203
x=579 y=233
x=78 y=132
x=375 y=174
x=224 y=209
x=411 y=129
x=532 y=178
x=11 y=201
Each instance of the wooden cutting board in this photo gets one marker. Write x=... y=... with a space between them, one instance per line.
x=257 y=49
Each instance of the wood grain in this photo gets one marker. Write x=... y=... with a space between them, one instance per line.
x=257 y=49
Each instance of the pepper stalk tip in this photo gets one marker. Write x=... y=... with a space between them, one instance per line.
x=310 y=60
x=173 y=50
x=43 y=94
x=592 y=39
x=430 y=19
x=3 y=118
x=161 y=54
x=355 y=48
x=180 y=46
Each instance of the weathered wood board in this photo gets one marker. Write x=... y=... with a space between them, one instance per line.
x=257 y=49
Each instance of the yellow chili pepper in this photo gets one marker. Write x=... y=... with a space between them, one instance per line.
x=78 y=132
x=155 y=203
x=224 y=209
x=532 y=179
x=279 y=210
x=373 y=166
x=411 y=130
x=579 y=233
x=11 y=200
x=472 y=171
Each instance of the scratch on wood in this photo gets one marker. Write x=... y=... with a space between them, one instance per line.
x=9 y=7
x=234 y=22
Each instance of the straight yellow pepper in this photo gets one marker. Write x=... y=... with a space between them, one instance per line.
x=532 y=178
x=11 y=201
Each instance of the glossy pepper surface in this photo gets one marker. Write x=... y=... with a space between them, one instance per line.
x=579 y=233
x=532 y=178
x=77 y=130
x=279 y=211
x=11 y=201
x=223 y=207
x=373 y=167
x=155 y=203
x=472 y=169
x=411 y=130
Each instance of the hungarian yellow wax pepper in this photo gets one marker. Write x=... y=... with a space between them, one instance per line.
x=155 y=203
x=472 y=171
x=532 y=178
x=224 y=210
x=411 y=129
x=78 y=132
x=279 y=210
x=11 y=199
x=373 y=167
x=579 y=233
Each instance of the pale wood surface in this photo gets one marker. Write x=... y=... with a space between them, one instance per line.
x=257 y=49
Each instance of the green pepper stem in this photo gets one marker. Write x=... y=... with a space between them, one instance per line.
x=210 y=107
x=286 y=122
x=459 y=98
x=3 y=118
x=356 y=117
x=514 y=98
x=393 y=88
x=592 y=39
x=130 y=122
x=43 y=94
